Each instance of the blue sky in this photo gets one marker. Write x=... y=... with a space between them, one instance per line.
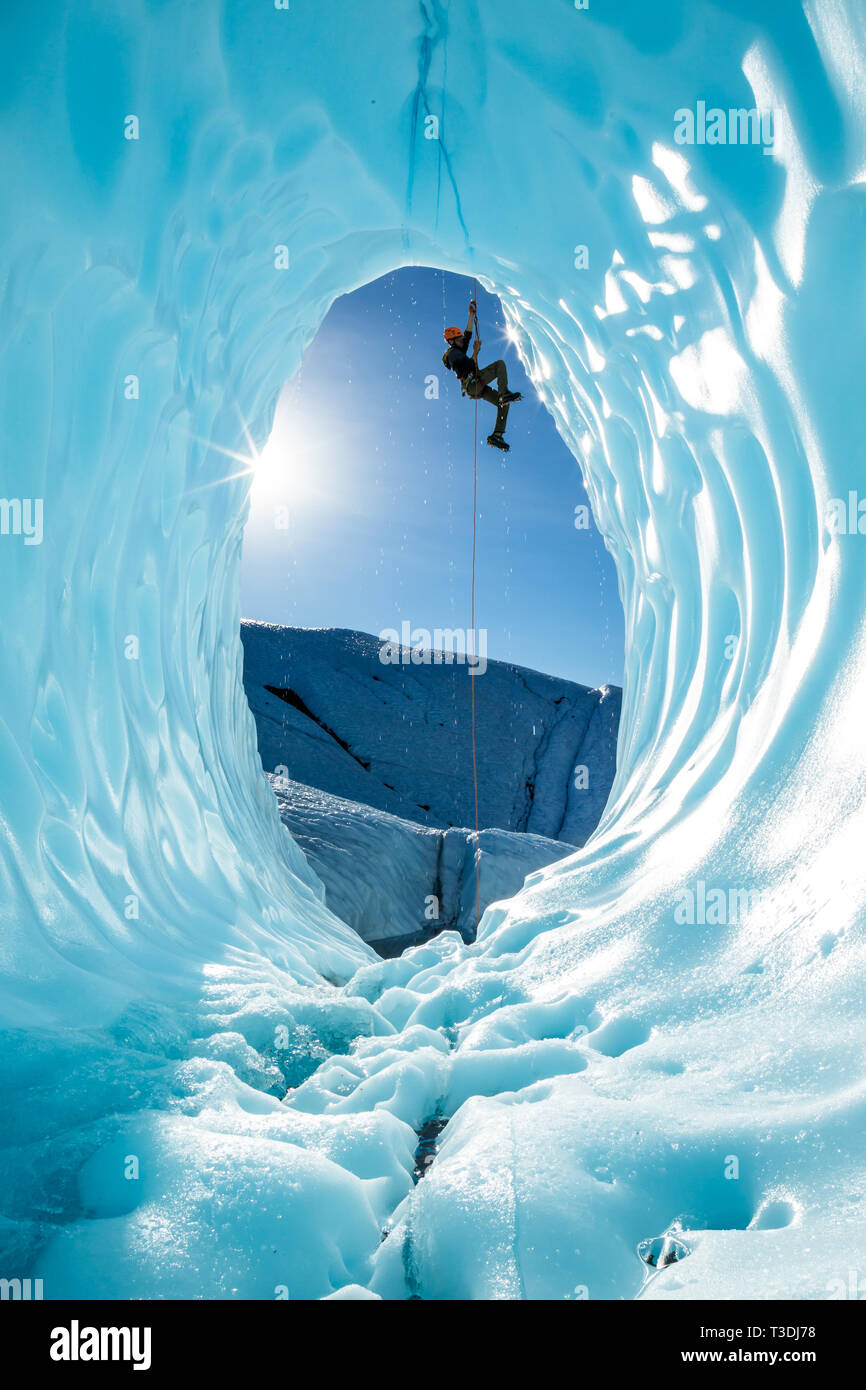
x=361 y=512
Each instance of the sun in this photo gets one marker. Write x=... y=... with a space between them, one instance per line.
x=293 y=465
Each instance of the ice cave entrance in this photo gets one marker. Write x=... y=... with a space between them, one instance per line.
x=360 y=653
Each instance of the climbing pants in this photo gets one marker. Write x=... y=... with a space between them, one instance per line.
x=485 y=376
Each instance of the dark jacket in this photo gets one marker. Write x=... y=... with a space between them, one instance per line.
x=457 y=359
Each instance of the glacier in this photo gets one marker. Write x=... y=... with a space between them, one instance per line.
x=371 y=764
x=398 y=736
x=211 y=1087
x=396 y=882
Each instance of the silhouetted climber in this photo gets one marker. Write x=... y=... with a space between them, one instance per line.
x=475 y=380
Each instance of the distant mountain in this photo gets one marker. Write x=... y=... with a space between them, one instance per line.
x=398 y=737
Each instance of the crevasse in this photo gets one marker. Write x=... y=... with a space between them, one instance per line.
x=605 y=1066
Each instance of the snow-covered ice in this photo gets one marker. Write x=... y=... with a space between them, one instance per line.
x=392 y=879
x=662 y=1035
x=371 y=763
x=398 y=736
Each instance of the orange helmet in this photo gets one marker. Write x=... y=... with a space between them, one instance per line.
x=451 y=333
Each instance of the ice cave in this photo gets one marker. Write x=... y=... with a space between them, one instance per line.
x=661 y=1036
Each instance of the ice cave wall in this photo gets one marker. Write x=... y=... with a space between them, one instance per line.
x=159 y=289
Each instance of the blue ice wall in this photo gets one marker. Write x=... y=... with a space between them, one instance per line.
x=703 y=359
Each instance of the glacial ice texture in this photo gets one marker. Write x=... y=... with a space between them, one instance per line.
x=169 y=969
x=395 y=881
x=398 y=736
x=372 y=766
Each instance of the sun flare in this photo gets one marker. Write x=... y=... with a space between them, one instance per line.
x=290 y=468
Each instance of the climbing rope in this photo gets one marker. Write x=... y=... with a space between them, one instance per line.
x=472 y=677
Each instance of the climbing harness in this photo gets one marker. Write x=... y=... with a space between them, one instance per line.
x=472 y=379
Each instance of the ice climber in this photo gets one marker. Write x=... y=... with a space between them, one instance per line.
x=475 y=381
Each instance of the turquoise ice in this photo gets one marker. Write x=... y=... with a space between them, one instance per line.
x=659 y=1037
